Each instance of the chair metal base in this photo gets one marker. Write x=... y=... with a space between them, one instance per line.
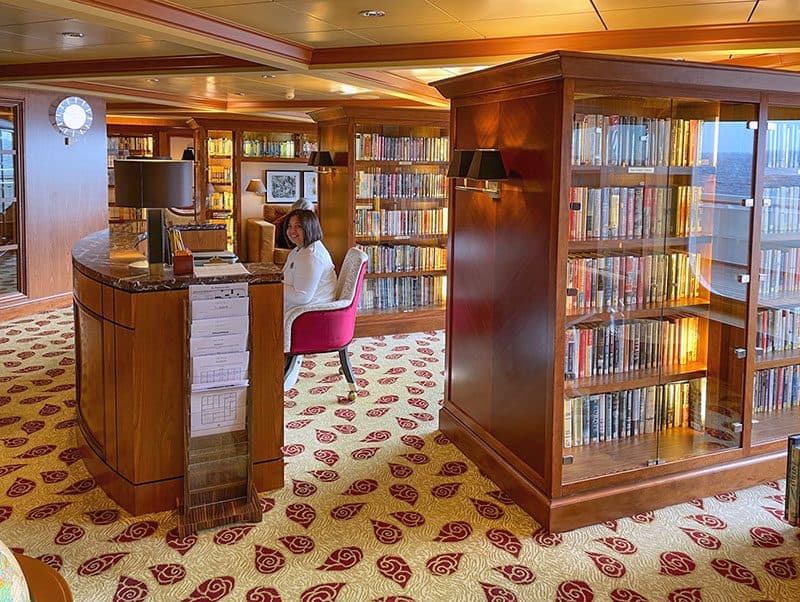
x=290 y=361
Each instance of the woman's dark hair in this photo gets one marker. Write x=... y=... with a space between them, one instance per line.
x=312 y=230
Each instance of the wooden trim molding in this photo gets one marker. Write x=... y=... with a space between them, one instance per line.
x=17 y=306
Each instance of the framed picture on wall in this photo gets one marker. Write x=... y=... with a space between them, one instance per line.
x=283 y=186
x=310 y=186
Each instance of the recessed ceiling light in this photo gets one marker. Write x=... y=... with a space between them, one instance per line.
x=73 y=34
x=153 y=80
x=239 y=93
x=371 y=12
x=269 y=75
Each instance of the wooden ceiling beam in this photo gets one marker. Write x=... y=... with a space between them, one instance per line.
x=157 y=65
x=765 y=61
x=310 y=105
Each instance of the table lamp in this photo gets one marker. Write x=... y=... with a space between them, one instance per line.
x=154 y=184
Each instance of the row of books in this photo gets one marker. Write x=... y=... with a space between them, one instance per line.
x=400 y=222
x=783 y=144
x=792 y=501
x=778 y=329
x=629 y=345
x=783 y=212
x=634 y=212
x=632 y=140
x=220 y=174
x=779 y=272
x=400 y=185
x=612 y=416
x=220 y=146
x=221 y=201
x=617 y=281
x=377 y=147
x=403 y=258
x=776 y=388
x=407 y=291
x=142 y=145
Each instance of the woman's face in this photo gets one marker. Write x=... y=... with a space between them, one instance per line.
x=294 y=231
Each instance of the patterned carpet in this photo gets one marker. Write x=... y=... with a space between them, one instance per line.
x=377 y=506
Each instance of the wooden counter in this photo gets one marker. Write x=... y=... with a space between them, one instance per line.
x=130 y=355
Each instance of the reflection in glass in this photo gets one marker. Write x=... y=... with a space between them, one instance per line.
x=9 y=223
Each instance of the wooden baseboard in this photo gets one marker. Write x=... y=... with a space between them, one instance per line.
x=18 y=307
x=372 y=323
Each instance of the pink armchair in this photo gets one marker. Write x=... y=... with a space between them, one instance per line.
x=325 y=327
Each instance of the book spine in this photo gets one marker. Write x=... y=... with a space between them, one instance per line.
x=792 y=503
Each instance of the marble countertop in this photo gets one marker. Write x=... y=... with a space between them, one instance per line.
x=107 y=257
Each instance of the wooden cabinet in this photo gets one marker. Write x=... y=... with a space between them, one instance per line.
x=388 y=195
x=621 y=320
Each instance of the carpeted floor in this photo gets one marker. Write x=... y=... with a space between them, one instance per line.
x=377 y=506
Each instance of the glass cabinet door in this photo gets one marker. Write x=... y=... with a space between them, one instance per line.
x=776 y=395
x=654 y=302
x=219 y=193
x=9 y=222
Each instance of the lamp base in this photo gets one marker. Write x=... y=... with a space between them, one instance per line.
x=155 y=241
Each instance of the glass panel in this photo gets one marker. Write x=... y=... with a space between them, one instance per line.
x=9 y=224
x=776 y=399
x=401 y=214
x=283 y=145
x=219 y=199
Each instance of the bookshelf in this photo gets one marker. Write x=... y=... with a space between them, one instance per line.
x=128 y=142
x=624 y=320
x=388 y=195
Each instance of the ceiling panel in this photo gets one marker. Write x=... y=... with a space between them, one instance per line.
x=427 y=75
x=269 y=17
x=777 y=10
x=473 y=10
x=344 y=13
x=115 y=51
x=7 y=57
x=11 y=15
x=48 y=33
x=328 y=39
x=527 y=26
x=678 y=16
x=413 y=34
x=603 y=5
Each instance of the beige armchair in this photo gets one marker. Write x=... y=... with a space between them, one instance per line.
x=262 y=235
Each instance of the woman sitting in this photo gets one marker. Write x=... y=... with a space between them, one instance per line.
x=308 y=275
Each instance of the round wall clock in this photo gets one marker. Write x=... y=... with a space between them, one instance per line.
x=72 y=116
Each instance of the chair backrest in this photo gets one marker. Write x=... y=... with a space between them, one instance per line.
x=348 y=283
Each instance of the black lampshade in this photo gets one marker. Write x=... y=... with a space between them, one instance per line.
x=188 y=154
x=459 y=163
x=487 y=164
x=322 y=159
x=153 y=183
x=312 y=157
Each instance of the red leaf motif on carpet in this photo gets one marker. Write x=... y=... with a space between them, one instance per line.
x=167 y=574
x=266 y=503
x=32 y=426
x=79 y=487
x=297 y=544
x=782 y=568
x=414 y=441
x=516 y=573
x=702 y=539
x=100 y=564
x=6 y=420
x=70 y=455
x=303 y=488
x=326 y=476
x=324 y=436
x=505 y=540
x=313 y=411
x=409 y=519
x=781 y=499
x=487 y=510
x=345 y=429
x=454 y=531
x=130 y=590
x=370 y=357
x=495 y=593
x=735 y=572
x=387 y=399
x=68 y=533
x=302 y=514
x=728 y=496
x=326 y=456
x=394 y=568
x=345 y=414
x=405 y=493
x=53 y=372
x=424 y=373
x=574 y=591
x=445 y=490
x=387 y=380
x=376 y=413
x=765 y=537
x=102 y=517
x=417 y=363
x=269 y=560
x=263 y=593
x=66 y=424
x=386 y=533
x=414 y=390
x=776 y=512
x=396 y=370
x=406 y=423
x=418 y=402
x=400 y=471
x=376 y=437
x=364 y=453
x=342 y=559
x=293 y=449
x=36 y=452
x=618 y=544
x=46 y=510
x=443 y=565
x=298 y=424
x=54 y=561
x=676 y=564
x=232 y=535
x=324 y=592
x=212 y=590
x=708 y=520
x=644 y=517
x=501 y=496
x=545 y=539
x=610 y=567
x=41 y=382
x=361 y=487
x=20 y=487
x=627 y=595
x=180 y=544
x=346 y=511
x=319 y=390
x=49 y=409
x=13 y=390
x=12 y=442
x=686 y=594
x=418 y=459
x=137 y=531
x=452 y=469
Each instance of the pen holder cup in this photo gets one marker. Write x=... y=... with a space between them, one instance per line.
x=182 y=263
